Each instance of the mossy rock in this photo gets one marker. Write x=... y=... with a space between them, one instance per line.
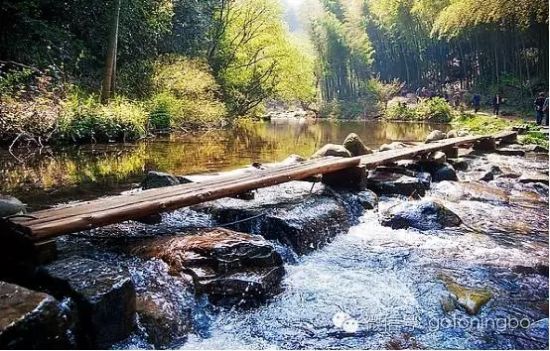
x=469 y=299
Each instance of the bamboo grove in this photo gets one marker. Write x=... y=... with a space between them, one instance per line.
x=485 y=44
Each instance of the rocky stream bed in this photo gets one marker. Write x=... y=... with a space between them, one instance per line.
x=436 y=253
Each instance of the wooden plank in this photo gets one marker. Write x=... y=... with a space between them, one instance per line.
x=86 y=215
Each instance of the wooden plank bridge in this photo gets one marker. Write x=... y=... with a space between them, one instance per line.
x=45 y=225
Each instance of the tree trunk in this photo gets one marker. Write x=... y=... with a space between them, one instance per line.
x=108 y=85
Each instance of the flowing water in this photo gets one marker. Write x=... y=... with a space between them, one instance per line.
x=372 y=287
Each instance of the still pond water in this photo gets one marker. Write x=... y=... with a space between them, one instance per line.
x=50 y=176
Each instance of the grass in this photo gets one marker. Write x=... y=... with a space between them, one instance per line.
x=481 y=123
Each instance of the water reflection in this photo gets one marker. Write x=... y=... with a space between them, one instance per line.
x=77 y=173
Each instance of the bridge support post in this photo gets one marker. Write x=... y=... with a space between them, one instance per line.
x=486 y=144
x=19 y=255
x=509 y=139
x=451 y=152
x=354 y=178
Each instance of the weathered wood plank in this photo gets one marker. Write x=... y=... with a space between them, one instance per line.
x=86 y=215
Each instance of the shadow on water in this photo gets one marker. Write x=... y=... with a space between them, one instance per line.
x=89 y=171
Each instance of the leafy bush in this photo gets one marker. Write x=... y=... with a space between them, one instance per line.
x=84 y=120
x=400 y=112
x=186 y=94
x=435 y=110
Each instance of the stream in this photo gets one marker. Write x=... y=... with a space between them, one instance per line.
x=370 y=287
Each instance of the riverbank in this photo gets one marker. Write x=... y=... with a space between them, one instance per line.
x=323 y=267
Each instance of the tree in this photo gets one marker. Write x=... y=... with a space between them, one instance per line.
x=109 y=77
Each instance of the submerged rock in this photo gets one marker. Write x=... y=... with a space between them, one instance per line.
x=105 y=297
x=33 y=320
x=10 y=206
x=298 y=214
x=534 y=178
x=355 y=145
x=434 y=136
x=422 y=215
x=459 y=163
x=230 y=267
x=155 y=179
x=393 y=146
x=535 y=148
x=510 y=152
x=469 y=299
x=388 y=182
x=332 y=150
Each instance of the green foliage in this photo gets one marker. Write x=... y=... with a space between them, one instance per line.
x=256 y=60
x=435 y=110
x=186 y=93
x=400 y=112
x=535 y=137
x=383 y=92
x=481 y=124
x=84 y=119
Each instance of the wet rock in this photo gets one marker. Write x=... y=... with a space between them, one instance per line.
x=444 y=172
x=535 y=148
x=534 y=178
x=105 y=297
x=164 y=303
x=231 y=268
x=355 y=145
x=485 y=145
x=490 y=174
x=460 y=164
x=298 y=214
x=386 y=182
x=155 y=179
x=471 y=300
x=510 y=152
x=33 y=320
x=447 y=304
x=368 y=199
x=349 y=178
x=292 y=159
x=434 y=136
x=404 y=341
x=422 y=215
x=162 y=319
x=452 y=134
x=332 y=150
x=393 y=146
x=10 y=206
x=438 y=157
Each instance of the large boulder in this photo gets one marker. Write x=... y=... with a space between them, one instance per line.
x=355 y=145
x=10 y=206
x=231 y=268
x=422 y=215
x=298 y=214
x=33 y=320
x=332 y=150
x=389 y=181
x=105 y=297
x=434 y=136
